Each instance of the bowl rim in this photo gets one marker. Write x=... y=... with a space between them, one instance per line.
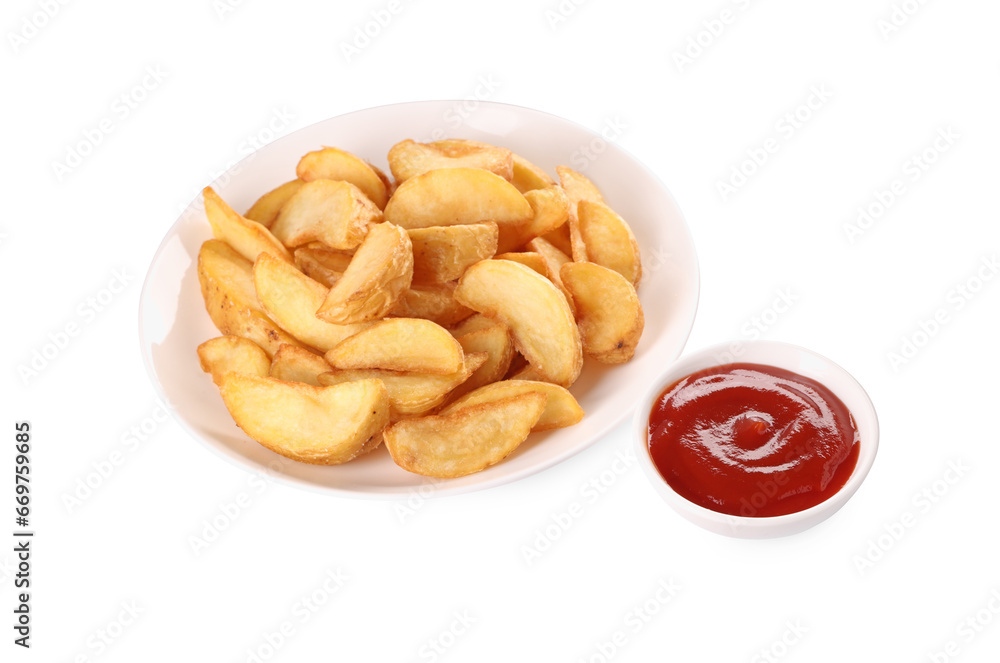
x=849 y=391
x=437 y=488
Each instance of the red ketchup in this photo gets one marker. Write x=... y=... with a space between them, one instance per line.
x=752 y=440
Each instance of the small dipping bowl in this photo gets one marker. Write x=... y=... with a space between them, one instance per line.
x=783 y=356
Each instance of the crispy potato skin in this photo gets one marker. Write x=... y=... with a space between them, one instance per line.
x=456 y=196
x=578 y=188
x=247 y=237
x=408 y=158
x=536 y=312
x=319 y=425
x=232 y=354
x=227 y=288
x=411 y=393
x=610 y=242
x=291 y=299
x=400 y=344
x=466 y=441
x=331 y=163
x=376 y=278
x=336 y=213
x=609 y=313
x=561 y=409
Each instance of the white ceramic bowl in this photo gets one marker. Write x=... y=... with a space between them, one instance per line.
x=172 y=318
x=780 y=355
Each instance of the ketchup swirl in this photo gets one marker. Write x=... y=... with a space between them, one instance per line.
x=752 y=440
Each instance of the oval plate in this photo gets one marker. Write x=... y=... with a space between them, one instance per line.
x=173 y=321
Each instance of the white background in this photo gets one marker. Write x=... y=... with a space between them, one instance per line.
x=893 y=576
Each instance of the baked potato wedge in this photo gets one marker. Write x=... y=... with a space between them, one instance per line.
x=456 y=196
x=232 y=354
x=411 y=393
x=331 y=163
x=609 y=313
x=561 y=409
x=578 y=188
x=536 y=312
x=337 y=214
x=466 y=441
x=267 y=207
x=319 y=425
x=227 y=287
x=400 y=344
x=379 y=273
x=291 y=299
x=550 y=209
x=609 y=240
x=408 y=158
x=249 y=238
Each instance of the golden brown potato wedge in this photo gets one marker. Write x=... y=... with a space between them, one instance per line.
x=455 y=196
x=232 y=354
x=227 y=287
x=291 y=299
x=608 y=311
x=411 y=393
x=331 y=163
x=400 y=344
x=294 y=364
x=497 y=344
x=434 y=302
x=467 y=441
x=561 y=409
x=528 y=176
x=536 y=311
x=610 y=242
x=550 y=208
x=337 y=214
x=443 y=253
x=578 y=188
x=249 y=238
x=321 y=425
x=408 y=159
x=525 y=175
x=553 y=259
x=379 y=274
x=267 y=207
x=322 y=264
x=527 y=258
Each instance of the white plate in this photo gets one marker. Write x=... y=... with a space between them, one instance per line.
x=172 y=318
